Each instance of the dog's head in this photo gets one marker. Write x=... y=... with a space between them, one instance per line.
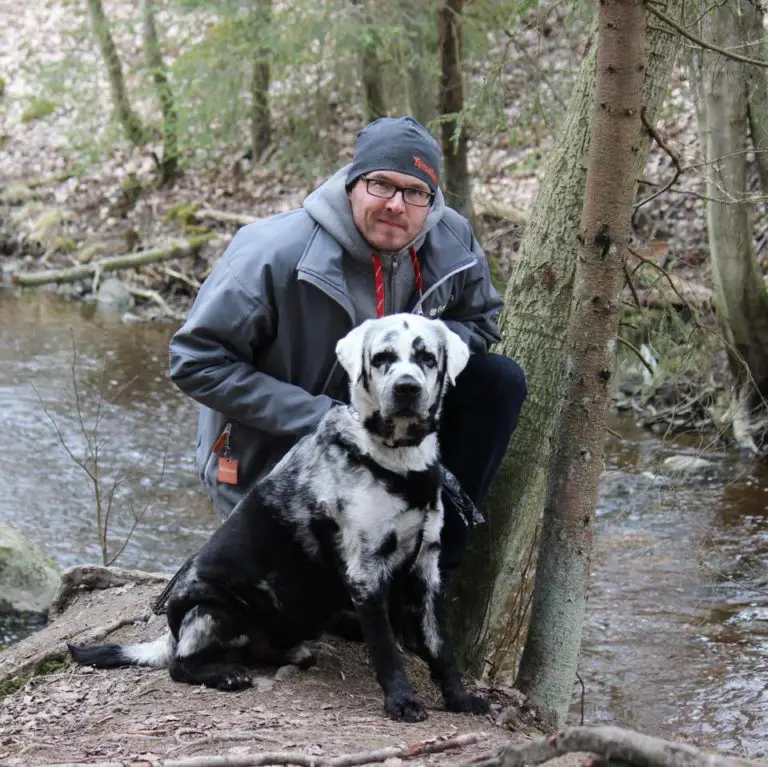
x=398 y=367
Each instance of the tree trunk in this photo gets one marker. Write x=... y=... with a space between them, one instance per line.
x=489 y=599
x=261 y=124
x=548 y=666
x=422 y=101
x=370 y=68
x=740 y=294
x=125 y=114
x=154 y=58
x=754 y=39
x=458 y=191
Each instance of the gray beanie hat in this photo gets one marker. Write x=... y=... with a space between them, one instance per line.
x=402 y=145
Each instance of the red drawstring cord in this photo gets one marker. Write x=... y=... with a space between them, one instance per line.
x=378 y=276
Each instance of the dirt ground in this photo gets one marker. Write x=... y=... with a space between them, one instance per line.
x=65 y=713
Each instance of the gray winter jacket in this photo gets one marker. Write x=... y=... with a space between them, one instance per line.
x=258 y=348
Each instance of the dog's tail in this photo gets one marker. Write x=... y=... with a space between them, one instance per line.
x=157 y=654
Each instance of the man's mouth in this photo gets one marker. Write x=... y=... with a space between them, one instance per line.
x=389 y=222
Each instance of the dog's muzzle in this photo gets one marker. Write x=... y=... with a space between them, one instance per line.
x=407 y=396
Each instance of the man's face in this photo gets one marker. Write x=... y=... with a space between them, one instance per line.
x=388 y=225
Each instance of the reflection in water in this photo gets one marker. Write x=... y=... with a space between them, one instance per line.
x=676 y=639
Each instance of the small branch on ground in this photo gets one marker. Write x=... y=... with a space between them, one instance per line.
x=181 y=249
x=153 y=295
x=432 y=746
x=611 y=744
x=225 y=218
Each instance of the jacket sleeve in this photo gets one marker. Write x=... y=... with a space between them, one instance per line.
x=212 y=357
x=474 y=312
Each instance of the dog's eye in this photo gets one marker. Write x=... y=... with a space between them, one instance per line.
x=425 y=358
x=381 y=359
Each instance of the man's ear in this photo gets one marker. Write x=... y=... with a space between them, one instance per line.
x=349 y=350
x=456 y=352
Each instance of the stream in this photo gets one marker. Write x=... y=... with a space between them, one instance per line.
x=676 y=641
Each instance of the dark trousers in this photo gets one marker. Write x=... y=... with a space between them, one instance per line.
x=479 y=416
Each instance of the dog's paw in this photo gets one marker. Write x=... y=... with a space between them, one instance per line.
x=468 y=704
x=237 y=679
x=405 y=709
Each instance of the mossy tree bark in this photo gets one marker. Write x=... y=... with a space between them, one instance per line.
x=488 y=601
x=128 y=119
x=548 y=665
x=740 y=294
x=453 y=132
x=170 y=161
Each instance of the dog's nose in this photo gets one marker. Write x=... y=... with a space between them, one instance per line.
x=407 y=388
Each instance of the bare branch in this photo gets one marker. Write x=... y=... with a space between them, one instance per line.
x=675 y=159
x=432 y=746
x=703 y=43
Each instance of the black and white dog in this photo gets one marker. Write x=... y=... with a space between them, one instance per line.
x=352 y=512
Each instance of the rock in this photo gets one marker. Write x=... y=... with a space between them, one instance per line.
x=114 y=295
x=688 y=464
x=28 y=578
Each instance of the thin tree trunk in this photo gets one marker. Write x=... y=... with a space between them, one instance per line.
x=488 y=600
x=458 y=191
x=740 y=294
x=754 y=37
x=125 y=114
x=548 y=666
x=261 y=123
x=154 y=58
x=374 y=105
x=422 y=97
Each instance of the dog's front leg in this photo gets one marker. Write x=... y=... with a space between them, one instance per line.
x=400 y=700
x=432 y=643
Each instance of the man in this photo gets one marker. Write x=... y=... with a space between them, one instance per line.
x=257 y=351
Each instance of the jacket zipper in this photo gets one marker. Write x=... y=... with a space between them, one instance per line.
x=417 y=309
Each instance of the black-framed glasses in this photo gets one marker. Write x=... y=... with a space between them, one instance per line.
x=386 y=190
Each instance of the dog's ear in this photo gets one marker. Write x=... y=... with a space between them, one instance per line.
x=456 y=352
x=349 y=350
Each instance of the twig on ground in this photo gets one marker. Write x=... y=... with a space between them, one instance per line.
x=153 y=295
x=432 y=746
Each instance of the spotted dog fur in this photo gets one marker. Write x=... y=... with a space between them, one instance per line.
x=351 y=513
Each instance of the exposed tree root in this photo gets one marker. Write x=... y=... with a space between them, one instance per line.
x=612 y=745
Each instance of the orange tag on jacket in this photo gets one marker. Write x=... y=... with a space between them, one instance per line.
x=228 y=471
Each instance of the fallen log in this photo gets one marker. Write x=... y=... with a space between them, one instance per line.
x=178 y=249
x=613 y=745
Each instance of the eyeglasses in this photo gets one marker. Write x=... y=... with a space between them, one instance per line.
x=387 y=190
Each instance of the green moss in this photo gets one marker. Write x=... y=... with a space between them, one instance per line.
x=10 y=686
x=51 y=665
x=185 y=214
x=2 y=87
x=38 y=109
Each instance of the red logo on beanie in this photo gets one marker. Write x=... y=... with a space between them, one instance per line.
x=422 y=166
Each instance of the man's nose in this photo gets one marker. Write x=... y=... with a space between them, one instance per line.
x=397 y=201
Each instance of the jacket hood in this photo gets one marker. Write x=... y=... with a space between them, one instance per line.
x=329 y=206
